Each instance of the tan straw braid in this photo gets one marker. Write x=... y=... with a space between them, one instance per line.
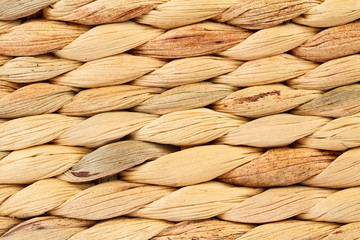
x=179 y=119
x=129 y=228
x=199 y=201
x=192 y=40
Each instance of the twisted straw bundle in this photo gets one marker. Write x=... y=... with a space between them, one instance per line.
x=179 y=119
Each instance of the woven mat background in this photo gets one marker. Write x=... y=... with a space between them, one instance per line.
x=179 y=119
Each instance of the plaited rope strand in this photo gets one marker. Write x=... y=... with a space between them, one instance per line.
x=127 y=228
x=238 y=204
x=170 y=14
x=77 y=42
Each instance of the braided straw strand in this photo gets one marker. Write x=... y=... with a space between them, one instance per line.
x=257 y=101
x=231 y=130
x=239 y=204
x=166 y=14
x=128 y=228
x=217 y=38
x=299 y=165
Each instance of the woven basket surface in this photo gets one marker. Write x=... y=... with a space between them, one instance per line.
x=179 y=119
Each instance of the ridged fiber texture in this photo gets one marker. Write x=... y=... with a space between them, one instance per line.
x=179 y=119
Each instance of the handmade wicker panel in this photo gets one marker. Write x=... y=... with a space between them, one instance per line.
x=179 y=119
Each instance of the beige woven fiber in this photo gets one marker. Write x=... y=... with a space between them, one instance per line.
x=179 y=119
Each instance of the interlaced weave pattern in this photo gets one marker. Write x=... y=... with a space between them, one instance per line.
x=179 y=119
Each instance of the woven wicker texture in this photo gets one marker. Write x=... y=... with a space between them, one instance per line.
x=179 y=119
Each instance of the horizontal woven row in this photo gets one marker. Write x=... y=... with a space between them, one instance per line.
x=169 y=14
x=193 y=127
x=179 y=119
x=237 y=165
x=84 y=44
x=199 y=201
x=152 y=72
x=131 y=228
